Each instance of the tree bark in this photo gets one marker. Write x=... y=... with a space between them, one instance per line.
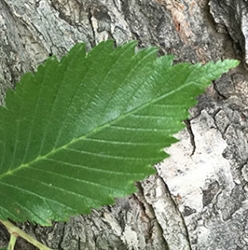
x=198 y=199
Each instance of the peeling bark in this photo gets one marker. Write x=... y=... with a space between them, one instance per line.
x=198 y=199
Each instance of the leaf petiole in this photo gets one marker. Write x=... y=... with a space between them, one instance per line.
x=15 y=232
x=12 y=242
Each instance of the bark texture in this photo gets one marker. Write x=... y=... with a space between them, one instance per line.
x=198 y=199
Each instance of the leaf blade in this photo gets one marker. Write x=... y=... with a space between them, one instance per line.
x=79 y=132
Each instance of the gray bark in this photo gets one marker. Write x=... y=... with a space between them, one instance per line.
x=198 y=199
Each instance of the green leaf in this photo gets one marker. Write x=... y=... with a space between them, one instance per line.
x=79 y=132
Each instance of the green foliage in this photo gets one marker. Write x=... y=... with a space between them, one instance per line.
x=79 y=132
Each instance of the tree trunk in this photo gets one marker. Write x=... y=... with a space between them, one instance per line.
x=198 y=199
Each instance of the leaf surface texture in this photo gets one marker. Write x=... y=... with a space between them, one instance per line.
x=79 y=132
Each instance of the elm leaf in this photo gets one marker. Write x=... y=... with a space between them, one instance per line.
x=79 y=132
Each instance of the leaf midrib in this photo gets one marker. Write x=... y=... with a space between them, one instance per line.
x=95 y=130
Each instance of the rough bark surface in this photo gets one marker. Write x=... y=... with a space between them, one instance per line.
x=198 y=199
